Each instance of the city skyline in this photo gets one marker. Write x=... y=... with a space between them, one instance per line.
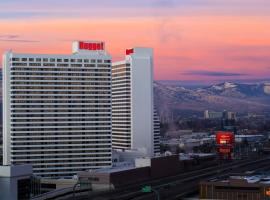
x=192 y=40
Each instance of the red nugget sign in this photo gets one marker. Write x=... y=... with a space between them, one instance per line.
x=92 y=46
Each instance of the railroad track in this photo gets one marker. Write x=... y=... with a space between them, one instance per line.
x=187 y=183
x=190 y=185
x=178 y=186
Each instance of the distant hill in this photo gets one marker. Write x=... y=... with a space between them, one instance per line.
x=174 y=100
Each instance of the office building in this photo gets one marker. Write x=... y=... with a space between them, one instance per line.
x=156 y=133
x=135 y=124
x=212 y=115
x=57 y=110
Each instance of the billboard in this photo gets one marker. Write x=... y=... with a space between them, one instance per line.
x=225 y=144
x=224 y=150
x=224 y=138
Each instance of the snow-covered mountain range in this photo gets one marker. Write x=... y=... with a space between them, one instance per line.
x=239 y=97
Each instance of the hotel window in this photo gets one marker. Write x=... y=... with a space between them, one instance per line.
x=15 y=59
x=45 y=59
x=31 y=59
x=52 y=60
x=65 y=60
x=24 y=59
x=38 y=59
x=59 y=60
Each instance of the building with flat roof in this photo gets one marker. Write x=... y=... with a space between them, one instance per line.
x=219 y=115
x=15 y=182
x=236 y=187
x=57 y=110
x=135 y=124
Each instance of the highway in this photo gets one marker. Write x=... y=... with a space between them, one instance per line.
x=178 y=186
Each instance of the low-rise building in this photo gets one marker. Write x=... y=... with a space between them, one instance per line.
x=237 y=187
x=15 y=182
x=142 y=169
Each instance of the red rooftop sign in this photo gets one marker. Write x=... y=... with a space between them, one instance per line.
x=92 y=46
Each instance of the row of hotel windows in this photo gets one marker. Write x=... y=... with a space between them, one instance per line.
x=43 y=157
x=60 y=74
x=63 y=133
x=59 y=136
x=120 y=117
x=59 y=60
x=121 y=122
x=96 y=70
x=56 y=87
x=60 y=101
x=121 y=138
x=94 y=79
x=125 y=84
x=62 y=151
x=97 y=85
x=61 y=115
x=61 y=129
x=122 y=78
x=122 y=74
x=124 y=132
x=117 y=127
x=61 y=120
x=74 y=98
x=68 y=164
x=37 y=161
x=60 y=92
x=114 y=91
x=120 y=108
x=85 y=137
x=61 y=147
x=121 y=146
x=121 y=101
x=59 y=65
x=115 y=71
x=62 y=110
x=57 y=124
x=121 y=66
x=60 y=142
x=40 y=97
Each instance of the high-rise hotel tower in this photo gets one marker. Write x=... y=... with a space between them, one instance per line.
x=57 y=110
x=135 y=124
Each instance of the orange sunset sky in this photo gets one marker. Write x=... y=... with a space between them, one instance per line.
x=200 y=41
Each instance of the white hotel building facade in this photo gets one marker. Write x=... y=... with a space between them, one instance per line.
x=57 y=110
x=135 y=124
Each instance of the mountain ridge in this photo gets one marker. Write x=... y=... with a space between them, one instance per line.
x=239 y=97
